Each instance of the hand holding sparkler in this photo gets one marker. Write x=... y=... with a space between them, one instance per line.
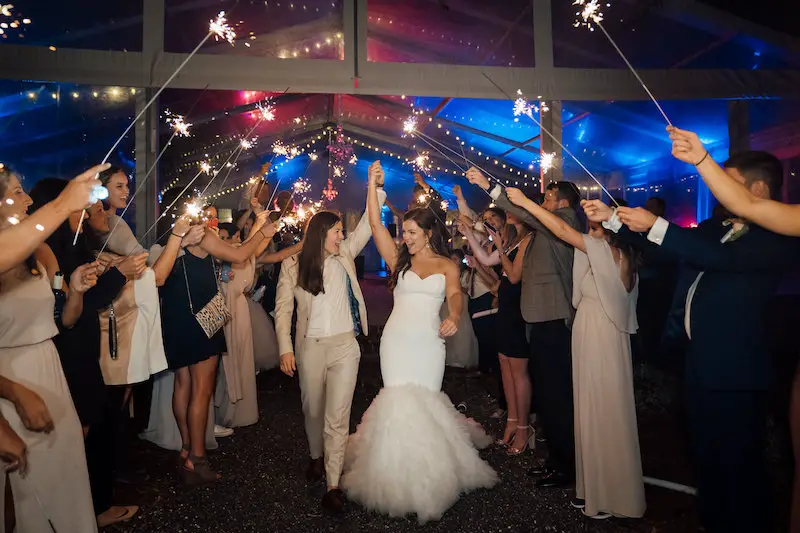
x=596 y=210
x=686 y=146
x=637 y=219
x=133 y=267
x=194 y=236
x=516 y=196
x=476 y=177
x=13 y=450
x=78 y=193
x=83 y=278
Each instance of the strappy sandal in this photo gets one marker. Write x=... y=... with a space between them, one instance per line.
x=503 y=442
x=181 y=457
x=200 y=474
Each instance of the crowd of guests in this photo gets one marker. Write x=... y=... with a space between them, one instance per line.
x=84 y=319
x=555 y=288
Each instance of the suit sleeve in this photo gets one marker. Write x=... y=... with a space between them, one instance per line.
x=361 y=235
x=764 y=251
x=502 y=201
x=284 y=305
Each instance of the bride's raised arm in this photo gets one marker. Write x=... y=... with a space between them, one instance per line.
x=383 y=239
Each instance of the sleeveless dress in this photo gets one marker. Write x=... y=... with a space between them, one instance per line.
x=236 y=397
x=413 y=452
x=510 y=326
x=608 y=461
x=56 y=486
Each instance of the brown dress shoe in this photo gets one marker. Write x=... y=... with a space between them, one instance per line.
x=333 y=501
x=315 y=470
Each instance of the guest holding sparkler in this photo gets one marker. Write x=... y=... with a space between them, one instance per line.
x=19 y=240
x=27 y=355
x=546 y=305
x=609 y=478
x=193 y=316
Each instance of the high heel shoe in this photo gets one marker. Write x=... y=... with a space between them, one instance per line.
x=502 y=441
x=529 y=443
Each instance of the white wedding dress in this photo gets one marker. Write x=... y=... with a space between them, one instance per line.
x=413 y=452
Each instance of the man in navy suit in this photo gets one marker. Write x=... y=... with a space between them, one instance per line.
x=728 y=368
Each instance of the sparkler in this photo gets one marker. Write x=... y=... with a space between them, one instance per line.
x=591 y=14
x=556 y=140
x=409 y=126
x=547 y=161
x=179 y=125
x=279 y=149
x=423 y=163
x=246 y=144
x=301 y=186
x=267 y=111
x=218 y=27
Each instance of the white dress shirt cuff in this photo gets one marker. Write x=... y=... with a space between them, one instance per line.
x=614 y=223
x=495 y=193
x=658 y=231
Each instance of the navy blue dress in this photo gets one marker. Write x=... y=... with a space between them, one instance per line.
x=510 y=329
x=185 y=342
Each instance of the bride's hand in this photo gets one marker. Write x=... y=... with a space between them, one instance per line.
x=448 y=328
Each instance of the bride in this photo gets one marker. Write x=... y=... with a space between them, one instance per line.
x=413 y=452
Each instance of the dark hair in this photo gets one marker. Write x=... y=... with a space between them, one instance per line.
x=312 y=257
x=5 y=177
x=230 y=227
x=566 y=190
x=105 y=176
x=60 y=241
x=427 y=220
x=660 y=202
x=497 y=212
x=759 y=166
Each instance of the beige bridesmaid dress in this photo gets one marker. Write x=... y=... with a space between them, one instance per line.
x=236 y=396
x=56 y=486
x=607 y=456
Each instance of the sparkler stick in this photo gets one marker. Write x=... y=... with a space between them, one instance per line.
x=591 y=12
x=545 y=130
x=217 y=27
x=182 y=129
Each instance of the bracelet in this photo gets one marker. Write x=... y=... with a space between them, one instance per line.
x=179 y=236
x=704 y=158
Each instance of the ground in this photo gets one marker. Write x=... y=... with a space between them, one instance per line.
x=263 y=487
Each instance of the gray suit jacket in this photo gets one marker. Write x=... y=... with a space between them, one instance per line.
x=547 y=266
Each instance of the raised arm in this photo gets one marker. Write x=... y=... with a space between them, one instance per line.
x=21 y=240
x=270 y=258
x=359 y=237
x=554 y=223
x=223 y=251
x=463 y=206
x=180 y=236
x=485 y=258
x=774 y=216
x=383 y=239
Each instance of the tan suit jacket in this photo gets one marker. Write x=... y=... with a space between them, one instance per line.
x=288 y=293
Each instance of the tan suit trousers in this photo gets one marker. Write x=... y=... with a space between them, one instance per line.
x=328 y=371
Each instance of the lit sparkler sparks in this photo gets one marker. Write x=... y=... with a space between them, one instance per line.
x=547 y=161
x=194 y=209
x=246 y=144
x=313 y=157
x=444 y=205
x=301 y=186
x=589 y=13
x=279 y=148
x=353 y=159
x=205 y=167
x=409 y=126
x=423 y=163
x=221 y=29
x=180 y=126
x=267 y=111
